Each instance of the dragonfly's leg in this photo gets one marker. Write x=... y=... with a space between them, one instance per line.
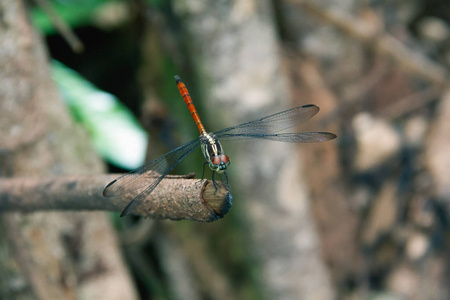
x=214 y=181
x=203 y=172
x=226 y=178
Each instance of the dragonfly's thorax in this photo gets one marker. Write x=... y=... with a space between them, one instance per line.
x=213 y=152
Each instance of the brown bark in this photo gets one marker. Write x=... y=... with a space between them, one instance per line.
x=236 y=58
x=47 y=255
x=174 y=198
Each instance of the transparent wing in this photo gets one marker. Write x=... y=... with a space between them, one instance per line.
x=273 y=123
x=138 y=178
x=297 y=137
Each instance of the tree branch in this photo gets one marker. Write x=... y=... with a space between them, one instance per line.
x=174 y=198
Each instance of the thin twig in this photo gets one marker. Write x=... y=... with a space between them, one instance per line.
x=174 y=198
x=62 y=27
x=411 y=103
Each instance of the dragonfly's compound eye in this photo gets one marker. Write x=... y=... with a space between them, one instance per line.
x=225 y=159
x=215 y=160
x=219 y=163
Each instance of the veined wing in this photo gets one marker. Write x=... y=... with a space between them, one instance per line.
x=273 y=123
x=136 y=179
x=296 y=137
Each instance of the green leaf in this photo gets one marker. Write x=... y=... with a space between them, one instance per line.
x=116 y=134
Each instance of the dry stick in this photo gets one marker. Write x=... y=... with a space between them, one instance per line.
x=174 y=198
x=383 y=43
x=64 y=29
x=411 y=102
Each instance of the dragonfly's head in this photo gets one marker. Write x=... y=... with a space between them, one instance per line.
x=219 y=163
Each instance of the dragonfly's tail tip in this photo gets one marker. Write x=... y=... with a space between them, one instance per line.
x=177 y=78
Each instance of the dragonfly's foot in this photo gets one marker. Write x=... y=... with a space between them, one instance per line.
x=216 y=186
x=219 y=186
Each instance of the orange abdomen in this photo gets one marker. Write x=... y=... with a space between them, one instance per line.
x=187 y=99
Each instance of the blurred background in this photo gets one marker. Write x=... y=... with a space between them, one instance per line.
x=365 y=216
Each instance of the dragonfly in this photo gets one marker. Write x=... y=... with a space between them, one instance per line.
x=266 y=128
